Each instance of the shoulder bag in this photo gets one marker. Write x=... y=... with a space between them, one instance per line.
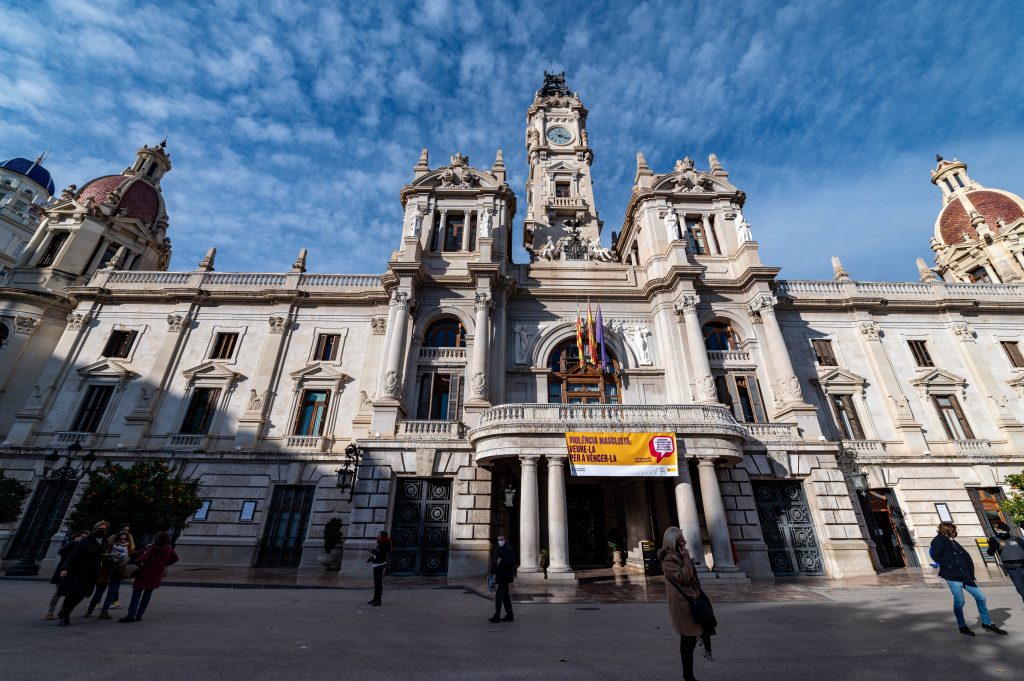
x=700 y=607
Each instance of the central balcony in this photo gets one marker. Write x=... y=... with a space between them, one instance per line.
x=519 y=429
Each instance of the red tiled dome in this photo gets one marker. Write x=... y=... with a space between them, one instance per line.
x=140 y=200
x=954 y=222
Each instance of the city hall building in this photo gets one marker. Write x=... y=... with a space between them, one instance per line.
x=820 y=427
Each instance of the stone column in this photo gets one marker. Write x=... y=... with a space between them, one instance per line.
x=441 y=229
x=264 y=380
x=481 y=337
x=529 y=516
x=703 y=382
x=714 y=516
x=465 y=229
x=558 y=525
x=710 y=235
x=996 y=401
x=888 y=381
x=686 y=507
x=785 y=386
x=391 y=383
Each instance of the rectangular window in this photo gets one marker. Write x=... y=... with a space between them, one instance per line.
x=440 y=397
x=695 y=235
x=224 y=346
x=453 y=229
x=120 y=343
x=979 y=274
x=327 y=347
x=93 y=406
x=953 y=420
x=200 y=411
x=561 y=190
x=52 y=249
x=248 y=511
x=919 y=348
x=1012 y=350
x=846 y=417
x=960 y=182
x=312 y=413
x=108 y=254
x=823 y=352
x=202 y=512
x=742 y=394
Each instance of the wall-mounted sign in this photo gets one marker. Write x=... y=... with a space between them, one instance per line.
x=622 y=454
x=944 y=515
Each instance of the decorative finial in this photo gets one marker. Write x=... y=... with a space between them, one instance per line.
x=300 y=262
x=206 y=264
x=938 y=158
x=423 y=159
x=641 y=162
x=839 y=272
x=499 y=159
x=714 y=165
x=926 y=273
x=163 y=143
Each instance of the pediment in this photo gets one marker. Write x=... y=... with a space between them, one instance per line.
x=457 y=179
x=109 y=368
x=320 y=371
x=835 y=380
x=939 y=381
x=691 y=182
x=211 y=370
x=562 y=165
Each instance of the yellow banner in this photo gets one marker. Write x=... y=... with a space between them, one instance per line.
x=622 y=454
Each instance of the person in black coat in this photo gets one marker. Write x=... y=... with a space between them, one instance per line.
x=78 y=578
x=504 y=574
x=64 y=551
x=957 y=568
x=379 y=557
x=1010 y=550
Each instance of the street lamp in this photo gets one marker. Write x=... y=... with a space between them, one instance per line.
x=349 y=471
x=49 y=504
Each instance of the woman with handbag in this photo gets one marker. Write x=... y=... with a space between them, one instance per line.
x=692 y=616
x=157 y=557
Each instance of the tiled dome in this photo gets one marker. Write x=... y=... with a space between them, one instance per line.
x=31 y=170
x=954 y=221
x=140 y=200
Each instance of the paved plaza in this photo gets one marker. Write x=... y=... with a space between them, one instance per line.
x=423 y=632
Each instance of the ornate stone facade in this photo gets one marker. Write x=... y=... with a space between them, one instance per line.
x=452 y=373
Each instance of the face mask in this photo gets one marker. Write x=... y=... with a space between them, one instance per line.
x=100 y=534
x=501 y=542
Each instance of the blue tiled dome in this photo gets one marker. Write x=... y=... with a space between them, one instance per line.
x=32 y=170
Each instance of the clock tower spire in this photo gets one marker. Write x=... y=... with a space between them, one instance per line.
x=559 y=190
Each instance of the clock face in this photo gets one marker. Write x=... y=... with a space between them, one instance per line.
x=559 y=135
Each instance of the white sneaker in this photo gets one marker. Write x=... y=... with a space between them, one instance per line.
x=115 y=604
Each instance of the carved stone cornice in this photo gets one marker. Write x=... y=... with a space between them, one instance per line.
x=687 y=303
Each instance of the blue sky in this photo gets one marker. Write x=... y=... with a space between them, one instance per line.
x=295 y=124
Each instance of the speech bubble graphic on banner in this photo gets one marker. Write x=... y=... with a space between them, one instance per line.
x=661 y=447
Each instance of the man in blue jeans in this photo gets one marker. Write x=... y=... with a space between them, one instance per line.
x=957 y=568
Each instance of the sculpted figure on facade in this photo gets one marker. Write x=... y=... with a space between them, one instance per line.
x=379 y=325
x=391 y=386
x=672 y=225
x=365 y=402
x=277 y=323
x=416 y=224
x=485 y=222
x=598 y=253
x=478 y=383
x=549 y=251
x=743 y=233
x=76 y=320
x=964 y=331
x=522 y=333
x=870 y=330
x=788 y=389
x=638 y=337
x=176 y=322
x=255 y=401
x=902 y=406
x=704 y=388
x=145 y=397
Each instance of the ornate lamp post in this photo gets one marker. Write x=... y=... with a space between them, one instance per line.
x=47 y=508
x=349 y=471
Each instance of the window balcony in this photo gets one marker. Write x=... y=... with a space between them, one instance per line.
x=442 y=354
x=186 y=441
x=66 y=437
x=431 y=430
x=772 y=433
x=727 y=359
x=306 y=443
x=864 y=447
x=573 y=202
x=972 y=447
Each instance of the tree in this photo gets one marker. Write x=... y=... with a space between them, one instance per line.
x=12 y=493
x=148 y=495
x=1014 y=504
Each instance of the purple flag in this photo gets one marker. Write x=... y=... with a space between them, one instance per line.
x=600 y=339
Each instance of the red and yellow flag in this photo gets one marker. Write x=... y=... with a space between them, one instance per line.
x=591 y=345
x=579 y=336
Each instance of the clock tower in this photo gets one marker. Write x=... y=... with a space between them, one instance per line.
x=561 y=217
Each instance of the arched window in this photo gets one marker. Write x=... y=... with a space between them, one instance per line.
x=720 y=336
x=573 y=382
x=445 y=333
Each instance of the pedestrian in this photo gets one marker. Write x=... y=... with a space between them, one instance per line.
x=113 y=569
x=684 y=598
x=157 y=557
x=78 y=578
x=64 y=551
x=1010 y=550
x=957 y=568
x=126 y=528
x=379 y=558
x=504 y=573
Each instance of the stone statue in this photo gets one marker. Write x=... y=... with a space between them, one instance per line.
x=672 y=225
x=255 y=401
x=743 y=233
x=364 y=401
x=416 y=226
x=522 y=332
x=549 y=251
x=704 y=388
x=391 y=384
x=595 y=251
x=839 y=272
x=145 y=396
x=206 y=264
x=485 y=223
x=479 y=384
x=638 y=338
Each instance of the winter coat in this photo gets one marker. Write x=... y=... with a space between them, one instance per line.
x=380 y=553
x=153 y=561
x=1011 y=551
x=955 y=563
x=505 y=565
x=64 y=551
x=83 y=567
x=684 y=575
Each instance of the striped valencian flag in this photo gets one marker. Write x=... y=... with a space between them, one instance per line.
x=591 y=340
x=579 y=336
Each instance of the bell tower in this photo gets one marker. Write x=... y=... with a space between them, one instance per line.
x=559 y=190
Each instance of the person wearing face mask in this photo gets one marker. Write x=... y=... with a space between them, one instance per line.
x=684 y=596
x=379 y=558
x=504 y=574
x=1010 y=550
x=78 y=578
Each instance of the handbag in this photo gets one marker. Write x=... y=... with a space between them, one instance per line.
x=700 y=607
x=492 y=583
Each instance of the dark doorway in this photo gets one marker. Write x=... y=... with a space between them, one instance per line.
x=421 y=527
x=287 y=520
x=787 y=528
x=887 y=528
x=588 y=546
x=986 y=504
x=42 y=519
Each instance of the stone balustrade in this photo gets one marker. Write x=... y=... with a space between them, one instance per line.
x=68 y=436
x=771 y=433
x=305 y=442
x=234 y=281
x=568 y=202
x=973 y=446
x=810 y=290
x=430 y=430
x=869 y=447
x=680 y=418
x=443 y=354
x=724 y=356
x=185 y=441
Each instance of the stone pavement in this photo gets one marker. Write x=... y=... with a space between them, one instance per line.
x=900 y=633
